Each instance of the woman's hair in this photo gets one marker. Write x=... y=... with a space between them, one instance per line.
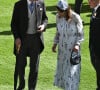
x=67 y=12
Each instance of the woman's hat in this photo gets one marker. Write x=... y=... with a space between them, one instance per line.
x=62 y=4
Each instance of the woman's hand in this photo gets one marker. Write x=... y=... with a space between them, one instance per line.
x=76 y=48
x=54 y=47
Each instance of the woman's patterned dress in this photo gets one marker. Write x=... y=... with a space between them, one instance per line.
x=68 y=34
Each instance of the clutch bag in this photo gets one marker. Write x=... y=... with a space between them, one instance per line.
x=75 y=58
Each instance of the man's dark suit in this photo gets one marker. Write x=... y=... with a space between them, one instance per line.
x=78 y=5
x=94 y=43
x=32 y=45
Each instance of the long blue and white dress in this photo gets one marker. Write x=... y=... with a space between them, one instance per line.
x=68 y=34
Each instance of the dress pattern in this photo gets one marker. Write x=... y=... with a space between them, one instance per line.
x=68 y=34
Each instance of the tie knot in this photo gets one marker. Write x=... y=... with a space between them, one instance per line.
x=31 y=6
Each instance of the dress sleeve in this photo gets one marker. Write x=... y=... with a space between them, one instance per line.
x=56 y=38
x=79 y=25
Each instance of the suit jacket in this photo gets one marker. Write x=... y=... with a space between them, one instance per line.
x=19 y=22
x=94 y=40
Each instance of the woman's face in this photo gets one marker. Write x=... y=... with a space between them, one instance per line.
x=61 y=13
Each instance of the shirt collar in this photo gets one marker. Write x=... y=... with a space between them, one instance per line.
x=29 y=2
x=96 y=7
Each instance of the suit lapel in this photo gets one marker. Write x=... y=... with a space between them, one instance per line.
x=98 y=12
x=39 y=12
x=25 y=10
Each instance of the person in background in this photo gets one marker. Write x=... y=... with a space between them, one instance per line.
x=28 y=23
x=68 y=37
x=94 y=41
x=78 y=5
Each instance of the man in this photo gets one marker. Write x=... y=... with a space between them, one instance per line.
x=78 y=5
x=29 y=20
x=94 y=41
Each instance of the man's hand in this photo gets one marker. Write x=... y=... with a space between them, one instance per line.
x=41 y=28
x=18 y=44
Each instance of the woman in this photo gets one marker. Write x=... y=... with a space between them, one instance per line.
x=68 y=37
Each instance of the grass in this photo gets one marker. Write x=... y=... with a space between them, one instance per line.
x=48 y=59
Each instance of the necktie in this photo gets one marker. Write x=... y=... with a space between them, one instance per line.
x=93 y=13
x=31 y=6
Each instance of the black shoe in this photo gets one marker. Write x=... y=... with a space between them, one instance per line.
x=20 y=88
x=31 y=89
x=98 y=89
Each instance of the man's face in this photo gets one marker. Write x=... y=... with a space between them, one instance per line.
x=93 y=3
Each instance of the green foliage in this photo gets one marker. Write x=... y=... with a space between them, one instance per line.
x=48 y=59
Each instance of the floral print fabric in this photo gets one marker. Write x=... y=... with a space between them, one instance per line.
x=68 y=34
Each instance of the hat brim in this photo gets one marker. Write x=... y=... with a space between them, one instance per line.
x=61 y=10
